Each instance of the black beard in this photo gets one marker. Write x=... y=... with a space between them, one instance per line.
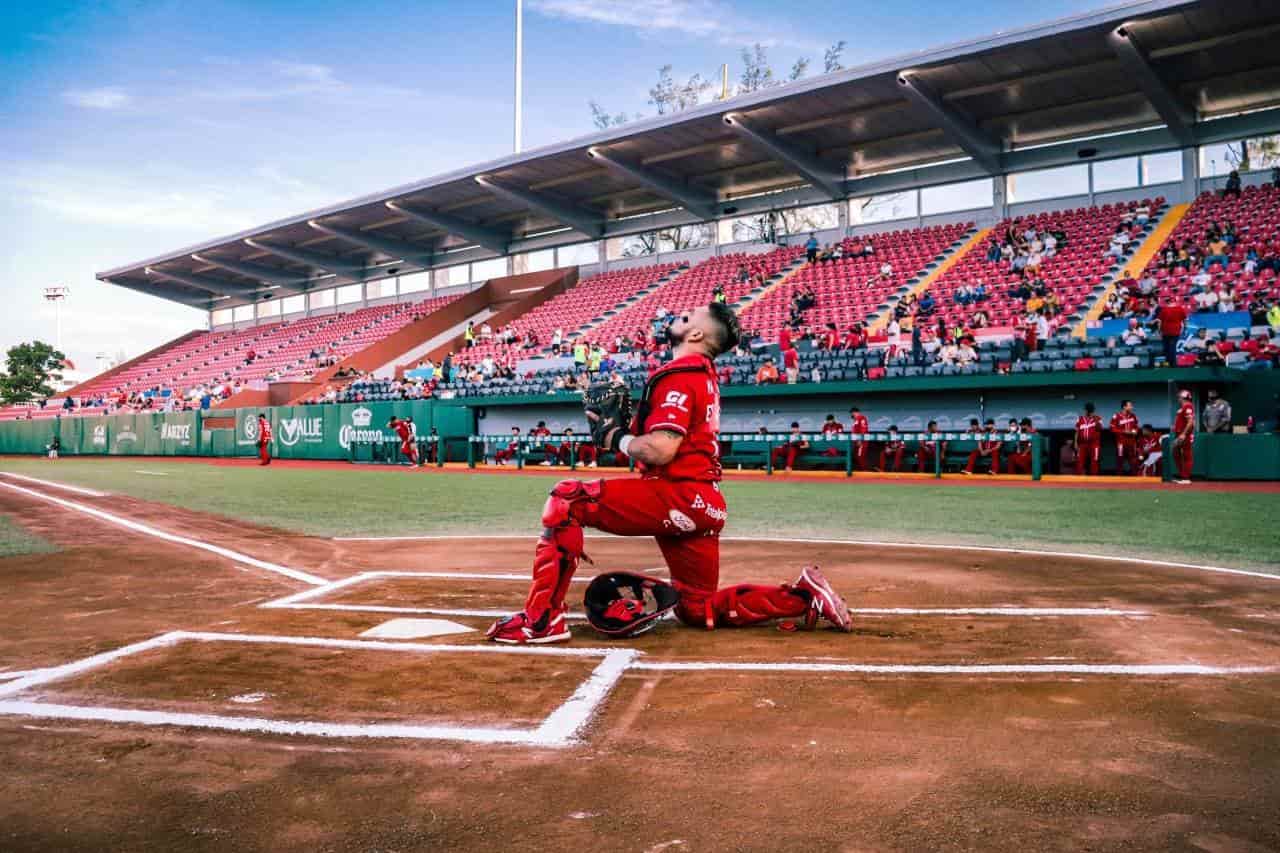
x=673 y=339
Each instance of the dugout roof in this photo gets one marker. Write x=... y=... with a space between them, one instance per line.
x=1141 y=77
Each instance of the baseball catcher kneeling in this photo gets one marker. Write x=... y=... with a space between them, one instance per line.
x=677 y=500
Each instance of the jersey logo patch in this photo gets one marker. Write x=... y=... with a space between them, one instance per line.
x=676 y=400
x=681 y=521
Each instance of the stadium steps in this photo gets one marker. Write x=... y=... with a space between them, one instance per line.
x=948 y=258
x=1137 y=262
x=758 y=293
x=597 y=322
x=388 y=369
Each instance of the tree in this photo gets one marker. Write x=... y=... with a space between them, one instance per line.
x=602 y=119
x=756 y=72
x=831 y=59
x=1260 y=153
x=31 y=367
x=799 y=68
x=669 y=97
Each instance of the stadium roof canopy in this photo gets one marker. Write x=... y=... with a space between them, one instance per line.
x=1131 y=79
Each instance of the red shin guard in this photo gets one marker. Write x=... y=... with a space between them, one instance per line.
x=750 y=604
x=559 y=548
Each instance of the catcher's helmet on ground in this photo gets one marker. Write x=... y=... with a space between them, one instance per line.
x=624 y=604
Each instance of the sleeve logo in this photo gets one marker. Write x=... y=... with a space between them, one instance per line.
x=676 y=400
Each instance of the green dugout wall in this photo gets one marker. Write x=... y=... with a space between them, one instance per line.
x=349 y=431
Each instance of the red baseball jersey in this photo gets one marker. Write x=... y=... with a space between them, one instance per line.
x=683 y=397
x=539 y=432
x=832 y=427
x=790 y=358
x=990 y=441
x=1185 y=419
x=264 y=431
x=1124 y=425
x=1089 y=429
x=1024 y=440
x=403 y=429
x=1147 y=446
x=860 y=425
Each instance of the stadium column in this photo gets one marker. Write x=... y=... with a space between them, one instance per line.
x=1037 y=447
x=471 y=450
x=848 y=458
x=937 y=458
x=768 y=455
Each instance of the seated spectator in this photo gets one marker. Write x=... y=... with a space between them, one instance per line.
x=948 y=353
x=1206 y=300
x=1134 y=335
x=1200 y=282
x=1217 y=351
x=979 y=291
x=1119 y=243
x=926 y=305
x=965 y=354
x=980 y=320
x=768 y=373
x=962 y=295
x=1226 y=300
x=1233 y=184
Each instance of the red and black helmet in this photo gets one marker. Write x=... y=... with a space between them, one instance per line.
x=625 y=604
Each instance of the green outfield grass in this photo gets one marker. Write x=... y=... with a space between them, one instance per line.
x=1218 y=528
x=16 y=541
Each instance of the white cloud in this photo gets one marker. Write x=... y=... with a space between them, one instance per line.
x=107 y=98
x=304 y=71
x=703 y=19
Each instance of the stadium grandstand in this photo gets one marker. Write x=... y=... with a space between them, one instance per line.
x=971 y=219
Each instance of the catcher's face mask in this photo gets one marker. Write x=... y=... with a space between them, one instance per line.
x=626 y=604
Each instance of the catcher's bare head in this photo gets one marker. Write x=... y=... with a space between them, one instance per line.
x=708 y=329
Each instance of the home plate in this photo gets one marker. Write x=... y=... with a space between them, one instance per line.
x=413 y=629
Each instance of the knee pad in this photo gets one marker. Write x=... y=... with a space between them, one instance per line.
x=557 y=511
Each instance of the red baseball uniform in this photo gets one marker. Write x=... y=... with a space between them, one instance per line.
x=891 y=454
x=1124 y=426
x=1146 y=447
x=786 y=454
x=927 y=456
x=679 y=504
x=1183 y=448
x=264 y=441
x=1088 y=443
x=404 y=430
x=860 y=427
x=506 y=454
x=989 y=446
x=1020 y=458
x=551 y=451
x=832 y=428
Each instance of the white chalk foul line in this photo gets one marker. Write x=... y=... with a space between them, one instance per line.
x=955 y=669
x=306 y=600
x=79 y=491
x=152 y=473
x=146 y=530
x=561 y=728
x=932 y=546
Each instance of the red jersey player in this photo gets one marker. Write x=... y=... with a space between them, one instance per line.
x=676 y=499
x=928 y=455
x=988 y=448
x=548 y=449
x=264 y=440
x=1088 y=441
x=859 y=427
x=1184 y=437
x=789 y=452
x=586 y=453
x=831 y=428
x=891 y=452
x=1150 y=451
x=1124 y=426
x=403 y=428
x=1020 y=457
x=503 y=455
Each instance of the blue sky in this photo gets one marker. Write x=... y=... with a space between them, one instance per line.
x=129 y=129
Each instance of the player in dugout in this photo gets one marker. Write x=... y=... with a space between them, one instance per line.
x=676 y=499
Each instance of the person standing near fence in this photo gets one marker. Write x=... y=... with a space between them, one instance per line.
x=264 y=440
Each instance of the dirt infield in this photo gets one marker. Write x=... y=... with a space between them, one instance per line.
x=986 y=701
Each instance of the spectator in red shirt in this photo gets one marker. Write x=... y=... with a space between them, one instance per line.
x=1173 y=318
x=791 y=363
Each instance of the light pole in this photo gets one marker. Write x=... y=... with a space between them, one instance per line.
x=57 y=294
x=519 y=71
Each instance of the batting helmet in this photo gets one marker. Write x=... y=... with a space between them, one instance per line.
x=625 y=604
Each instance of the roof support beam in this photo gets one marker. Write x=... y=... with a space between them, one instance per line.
x=1173 y=113
x=494 y=241
x=807 y=165
x=344 y=270
x=958 y=127
x=567 y=214
x=420 y=256
x=701 y=204
x=204 y=304
x=216 y=286
x=265 y=275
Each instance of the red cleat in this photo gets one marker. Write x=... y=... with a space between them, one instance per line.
x=517 y=629
x=824 y=602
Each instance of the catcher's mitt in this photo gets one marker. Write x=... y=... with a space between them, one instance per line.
x=608 y=408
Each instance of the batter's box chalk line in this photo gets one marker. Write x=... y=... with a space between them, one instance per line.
x=564 y=726
x=309 y=599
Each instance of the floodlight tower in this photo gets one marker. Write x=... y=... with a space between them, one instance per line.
x=57 y=295
x=519 y=71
